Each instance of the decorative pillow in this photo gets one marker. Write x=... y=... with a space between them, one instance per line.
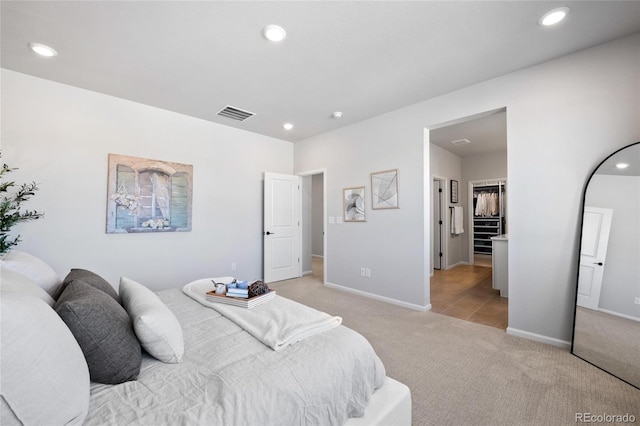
x=103 y=329
x=155 y=325
x=34 y=268
x=15 y=282
x=91 y=278
x=45 y=379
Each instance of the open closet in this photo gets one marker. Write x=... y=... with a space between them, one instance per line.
x=488 y=214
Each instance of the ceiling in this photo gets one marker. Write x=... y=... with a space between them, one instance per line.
x=485 y=134
x=629 y=155
x=363 y=58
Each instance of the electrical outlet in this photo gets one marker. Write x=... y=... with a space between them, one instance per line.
x=362 y=272
x=367 y=273
x=637 y=301
x=233 y=266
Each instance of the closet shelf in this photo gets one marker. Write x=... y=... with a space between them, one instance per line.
x=487 y=200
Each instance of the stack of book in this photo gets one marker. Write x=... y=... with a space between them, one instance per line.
x=248 y=302
x=238 y=292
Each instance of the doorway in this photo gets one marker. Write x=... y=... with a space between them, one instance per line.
x=460 y=152
x=313 y=224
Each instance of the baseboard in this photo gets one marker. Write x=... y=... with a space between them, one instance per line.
x=307 y=273
x=539 y=338
x=456 y=264
x=318 y=255
x=617 y=314
x=380 y=298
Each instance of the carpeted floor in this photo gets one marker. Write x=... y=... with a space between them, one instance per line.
x=461 y=373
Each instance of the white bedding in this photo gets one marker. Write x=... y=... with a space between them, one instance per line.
x=228 y=377
x=278 y=323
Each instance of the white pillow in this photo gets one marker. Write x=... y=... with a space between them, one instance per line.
x=156 y=326
x=14 y=282
x=45 y=378
x=33 y=268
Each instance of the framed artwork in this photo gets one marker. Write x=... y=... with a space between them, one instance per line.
x=353 y=202
x=384 y=189
x=146 y=195
x=454 y=191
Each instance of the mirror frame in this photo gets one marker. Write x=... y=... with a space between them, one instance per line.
x=575 y=304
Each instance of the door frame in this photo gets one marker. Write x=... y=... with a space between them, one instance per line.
x=324 y=219
x=471 y=212
x=443 y=240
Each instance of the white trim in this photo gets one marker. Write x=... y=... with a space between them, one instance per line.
x=539 y=338
x=426 y=203
x=325 y=228
x=380 y=298
x=317 y=255
x=306 y=273
x=617 y=314
x=462 y=262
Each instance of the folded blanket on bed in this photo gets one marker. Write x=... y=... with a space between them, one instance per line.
x=276 y=323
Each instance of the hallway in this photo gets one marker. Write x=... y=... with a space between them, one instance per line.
x=465 y=292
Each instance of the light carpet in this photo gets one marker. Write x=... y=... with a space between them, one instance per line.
x=461 y=373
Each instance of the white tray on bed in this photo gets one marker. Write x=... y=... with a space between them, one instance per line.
x=248 y=303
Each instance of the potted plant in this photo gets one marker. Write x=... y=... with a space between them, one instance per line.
x=11 y=198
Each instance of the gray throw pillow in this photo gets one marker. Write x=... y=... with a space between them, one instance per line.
x=91 y=278
x=104 y=332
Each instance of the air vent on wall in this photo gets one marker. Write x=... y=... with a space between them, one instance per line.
x=461 y=142
x=235 y=113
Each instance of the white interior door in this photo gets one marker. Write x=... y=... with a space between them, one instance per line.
x=593 y=252
x=282 y=209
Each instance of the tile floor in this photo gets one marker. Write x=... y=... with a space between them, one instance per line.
x=465 y=292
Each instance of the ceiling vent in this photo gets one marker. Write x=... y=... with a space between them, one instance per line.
x=461 y=142
x=235 y=113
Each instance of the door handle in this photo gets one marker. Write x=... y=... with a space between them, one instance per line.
x=269 y=233
x=598 y=263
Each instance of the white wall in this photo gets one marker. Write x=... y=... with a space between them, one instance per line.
x=564 y=116
x=59 y=136
x=621 y=280
x=390 y=242
x=446 y=165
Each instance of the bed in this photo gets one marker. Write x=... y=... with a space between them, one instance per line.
x=198 y=367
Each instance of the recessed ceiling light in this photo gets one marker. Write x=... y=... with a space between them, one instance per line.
x=288 y=126
x=553 y=16
x=43 y=50
x=274 y=33
x=337 y=114
x=622 y=165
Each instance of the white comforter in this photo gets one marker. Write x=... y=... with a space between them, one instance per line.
x=230 y=378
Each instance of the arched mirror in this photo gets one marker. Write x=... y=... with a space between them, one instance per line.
x=607 y=316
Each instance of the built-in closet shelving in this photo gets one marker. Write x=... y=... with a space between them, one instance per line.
x=488 y=215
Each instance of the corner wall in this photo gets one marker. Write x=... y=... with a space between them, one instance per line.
x=564 y=116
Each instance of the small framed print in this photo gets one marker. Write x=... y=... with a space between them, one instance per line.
x=384 y=189
x=454 y=191
x=353 y=199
